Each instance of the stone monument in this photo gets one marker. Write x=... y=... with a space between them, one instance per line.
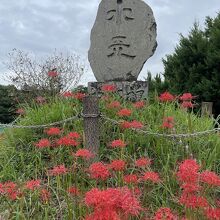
x=122 y=39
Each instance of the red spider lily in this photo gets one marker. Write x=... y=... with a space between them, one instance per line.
x=10 y=189
x=213 y=213
x=73 y=191
x=52 y=74
x=187 y=104
x=168 y=122
x=125 y=125
x=67 y=94
x=74 y=135
x=143 y=162
x=99 y=171
x=210 y=178
x=136 y=124
x=118 y=143
x=188 y=171
x=139 y=104
x=164 y=214
x=109 y=88
x=114 y=105
x=187 y=97
x=43 y=143
x=117 y=165
x=58 y=170
x=53 y=131
x=124 y=112
x=40 y=100
x=45 y=195
x=66 y=141
x=190 y=187
x=166 y=97
x=32 y=184
x=84 y=153
x=112 y=203
x=79 y=95
x=151 y=176
x=193 y=201
x=131 y=178
x=20 y=111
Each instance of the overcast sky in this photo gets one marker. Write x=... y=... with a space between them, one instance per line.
x=40 y=26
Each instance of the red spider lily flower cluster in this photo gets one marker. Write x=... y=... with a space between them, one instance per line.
x=118 y=144
x=109 y=88
x=117 y=165
x=67 y=141
x=139 y=104
x=124 y=112
x=10 y=190
x=166 y=97
x=213 y=213
x=168 y=122
x=112 y=204
x=52 y=74
x=114 y=105
x=33 y=184
x=79 y=95
x=99 y=171
x=53 y=131
x=67 y=94
x=20 y=111
x=192 y=184
x=58 y=170
x=73 y=191
x=84 y=154
x=143 y=162
x=133 y=124
x=40 y=100
x=186 y=99
x=164 y=214
x=131 y=179
x=43 y=143
x=151 y=176
x=74 y=135
x=45 y=195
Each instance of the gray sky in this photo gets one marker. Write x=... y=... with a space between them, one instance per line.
x=40 y=26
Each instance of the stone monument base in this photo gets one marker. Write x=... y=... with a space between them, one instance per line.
x=132 y=91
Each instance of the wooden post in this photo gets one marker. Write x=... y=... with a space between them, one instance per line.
x=91 y=117
x=207 y=108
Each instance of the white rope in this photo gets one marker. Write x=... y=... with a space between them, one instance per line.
x=198 y=133
x=39 y=126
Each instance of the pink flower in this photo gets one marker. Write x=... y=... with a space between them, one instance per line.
x=187 y=104
x=187 y=97
x=143 y=162
x=164 y=214
x=108 y=88
x=73 y=191
x=117 y=143
x=84 y=153
x=117 y=165
x=166 y=97
x=20 y=111
x=139 y=104
x=131 y=178
x=151 y=176
x=210 y=178
x=168 y=122
x=99 y=171
x=43 y=143
x=124 y=112
x=33 y=184
x=58 y=170
x=52 y=74
x=53 y=131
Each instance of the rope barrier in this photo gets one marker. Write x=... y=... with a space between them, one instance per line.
x=195 y=134
x=40 y=126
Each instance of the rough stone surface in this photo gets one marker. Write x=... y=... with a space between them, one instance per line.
x=122 y=39
x=132 y=91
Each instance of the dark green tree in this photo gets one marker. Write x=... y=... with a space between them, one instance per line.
x=195 y=64
x=7 y=104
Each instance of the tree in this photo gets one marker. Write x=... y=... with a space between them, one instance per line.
x=57 y=72
x=7 y=104
x=195 y=64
